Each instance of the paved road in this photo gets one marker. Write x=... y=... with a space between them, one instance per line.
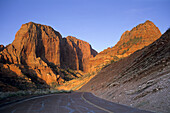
x=76 y=102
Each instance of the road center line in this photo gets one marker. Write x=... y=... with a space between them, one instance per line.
x=95 y=104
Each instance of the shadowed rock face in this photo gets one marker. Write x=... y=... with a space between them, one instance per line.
x=1 y=48
x=130 y=41
x=45 y=52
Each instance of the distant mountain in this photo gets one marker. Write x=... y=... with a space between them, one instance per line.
x=140 y=36
x=140 y=80
x=39 y=55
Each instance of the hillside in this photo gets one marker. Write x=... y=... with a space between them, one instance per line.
x=130 y=41
x=140 y=80
x=40 y=58
x=140 y=36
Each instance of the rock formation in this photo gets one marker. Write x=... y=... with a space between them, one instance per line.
x=44 y=52
x=34 y=41
x=140 y=36
x=42 y=58
x=75 y=53
x=37 y=44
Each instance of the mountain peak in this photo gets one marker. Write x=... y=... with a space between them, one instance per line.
x=34 y=25
x=148 y=21
x=140 y=36
x=146 y=25
x=30 y=24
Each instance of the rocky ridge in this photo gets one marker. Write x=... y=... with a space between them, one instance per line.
x=140 y=36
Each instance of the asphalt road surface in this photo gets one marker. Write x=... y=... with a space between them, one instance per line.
x=76 y=102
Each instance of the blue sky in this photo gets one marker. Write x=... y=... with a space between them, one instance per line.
x=99 y=22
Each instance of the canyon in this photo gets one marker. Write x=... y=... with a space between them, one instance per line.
x=39 y=57
x=134 y=72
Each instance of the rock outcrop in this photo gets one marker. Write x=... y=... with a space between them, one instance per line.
x=75 y=53
x=45 y=54
x=37 y=44
x=140 y=36
x=140 y=80
x=33 y=42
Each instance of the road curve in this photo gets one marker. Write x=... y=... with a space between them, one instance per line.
x=76 y=102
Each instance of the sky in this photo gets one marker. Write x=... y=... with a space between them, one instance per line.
x=99 y=22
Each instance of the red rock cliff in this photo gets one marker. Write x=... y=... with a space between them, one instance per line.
x=39 y=55
x=75 y=53
x=140 y=36
x=35 y=41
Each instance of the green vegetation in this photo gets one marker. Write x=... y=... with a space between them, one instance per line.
x=77 y=86
x=4 y=95
x=125 y=51
x=86 y=76
x=132 y=41
x=68 y=74
x=54 y=85
x=115 y=59
x=129 y=44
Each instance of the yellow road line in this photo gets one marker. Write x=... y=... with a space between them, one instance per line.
x=94 y=104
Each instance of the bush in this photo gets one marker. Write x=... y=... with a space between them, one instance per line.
x=4 y=95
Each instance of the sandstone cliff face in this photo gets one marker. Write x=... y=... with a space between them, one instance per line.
x=130 y=41
x=33 y=41
x=44 y=52
x=75 y=53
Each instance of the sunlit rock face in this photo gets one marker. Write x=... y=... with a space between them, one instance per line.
x=140 y=36
x=75 y=53
x=34 y=41
x=141 y=77
x=44 y=52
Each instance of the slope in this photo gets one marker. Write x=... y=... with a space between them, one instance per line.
x=140 y=36
x=140 y=80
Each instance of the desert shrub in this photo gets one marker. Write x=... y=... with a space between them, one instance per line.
x=53 y=85
x=4 y=95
